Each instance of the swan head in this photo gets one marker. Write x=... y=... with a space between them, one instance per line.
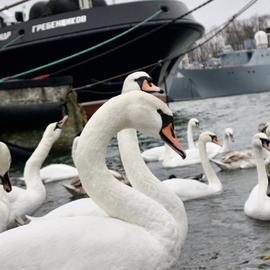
x=54 y=130
x=260 y=140
x=265 y=128
x=208 y=136
x=152 y=116
x=229 y=133
x=140 y=81
x=194 y=122
x=5 y=161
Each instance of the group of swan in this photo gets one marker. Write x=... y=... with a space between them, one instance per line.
x=193 y=156
x=135 y=222
x=170 y=160
x=26 y=201
x=243 y=159
x=125 y=220
x=158 y=153
x=186 y=189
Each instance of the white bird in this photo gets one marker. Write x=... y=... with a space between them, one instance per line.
x=26 y=201
x=214 y=149
x=189 y=189
x=193 y=156
x=160 y=152
x=136 y=221
x=257 y=205
x=242 y=159
x=5 y=160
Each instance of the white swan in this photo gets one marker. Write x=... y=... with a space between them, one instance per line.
x=139 y=222
x=5 y=160
x=257 y=205
x=58 y=171
x=228 y=138
x=242 y=159
x=193 y=156
x=159 y=152
x=189 y=189
x=26 y=201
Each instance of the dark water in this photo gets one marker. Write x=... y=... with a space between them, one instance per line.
x=220 y=235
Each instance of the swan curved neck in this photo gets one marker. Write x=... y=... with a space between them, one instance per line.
x=142 y=178
x=226 y=144
x=190 y=140
x=208 y=170
x=34 y=163
x=118 y=200
x=261 y=171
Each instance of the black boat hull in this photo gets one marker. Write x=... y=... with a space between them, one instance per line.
x=39 y=45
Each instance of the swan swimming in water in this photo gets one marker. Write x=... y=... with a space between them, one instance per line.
x=257 y=205
x=5 y=160
x=242 y=159
x=189 y=189
x=159 y=153
x=26 y=201
x=135 y=223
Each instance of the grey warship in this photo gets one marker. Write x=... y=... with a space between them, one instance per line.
x=233 y=73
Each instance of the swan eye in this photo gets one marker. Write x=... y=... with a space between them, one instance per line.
x=149 y=81
x=140 y=81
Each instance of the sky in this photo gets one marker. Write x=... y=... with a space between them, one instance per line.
x=211 y=15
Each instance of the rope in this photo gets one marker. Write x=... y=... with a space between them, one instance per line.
x=114 y=77
x=153 y=65
x=10 y=42
x=132 y=40
x=218 y=30
x=83 y=51
x=13 y=5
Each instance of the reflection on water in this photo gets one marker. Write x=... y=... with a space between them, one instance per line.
x=220 y=235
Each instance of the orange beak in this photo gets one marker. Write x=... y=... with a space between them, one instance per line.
x=167 y=135
x=62 y=122
x=150 y=88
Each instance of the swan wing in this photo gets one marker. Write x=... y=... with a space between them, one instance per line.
x=189 y=189
x=78 y=243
